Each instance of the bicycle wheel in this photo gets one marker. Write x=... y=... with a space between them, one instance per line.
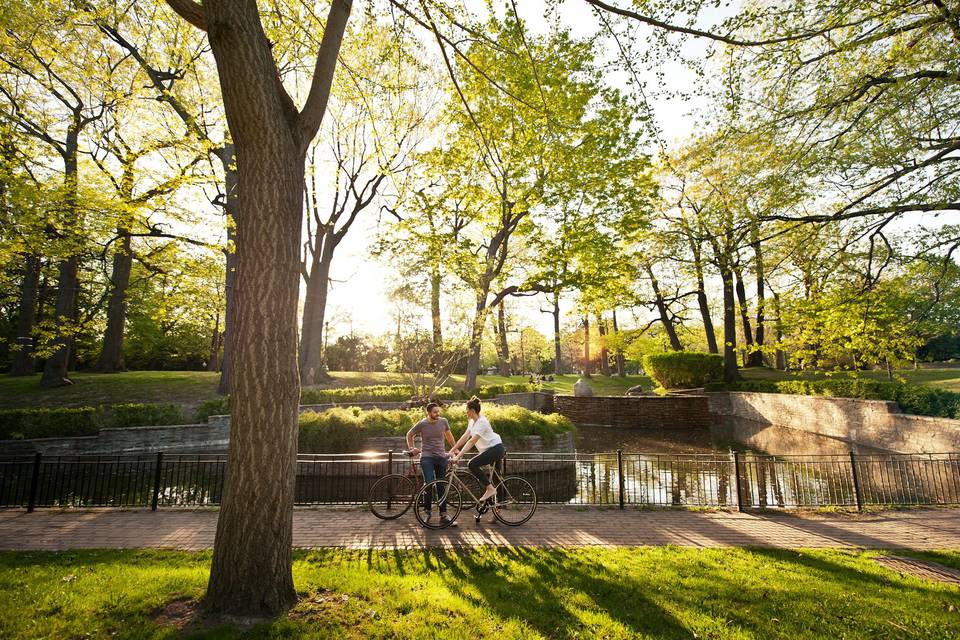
x=441 y=491
x=516 y=501
x=391 y=496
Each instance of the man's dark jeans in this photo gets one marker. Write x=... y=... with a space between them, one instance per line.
x=433 y=468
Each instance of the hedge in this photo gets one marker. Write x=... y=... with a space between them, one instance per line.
x=683 y=369
x=915 y=399
x=383 y=393
x=68 y=422
x=343 y=429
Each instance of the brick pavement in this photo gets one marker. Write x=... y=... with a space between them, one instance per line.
x=552 y=526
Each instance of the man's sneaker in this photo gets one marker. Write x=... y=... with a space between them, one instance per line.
x=447 y=522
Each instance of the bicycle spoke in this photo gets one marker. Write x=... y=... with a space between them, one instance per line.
x=516 y=501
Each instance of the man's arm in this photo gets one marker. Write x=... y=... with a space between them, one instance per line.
x=413 y=430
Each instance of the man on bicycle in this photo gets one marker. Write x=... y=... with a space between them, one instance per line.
x=433 y=454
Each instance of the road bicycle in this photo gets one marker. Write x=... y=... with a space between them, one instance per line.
x=391 y=496
x=514 y=503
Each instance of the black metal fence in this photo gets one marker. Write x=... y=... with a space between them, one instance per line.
x=745 y=481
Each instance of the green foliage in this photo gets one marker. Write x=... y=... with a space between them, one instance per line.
x=343 y=429
x=140 y=414
x=48 y=423
x=683 y=369
x=373 y=393
x=494 y=390
x=219 y=406
x=913 y=399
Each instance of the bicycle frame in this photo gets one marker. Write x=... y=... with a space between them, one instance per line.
x=454 y=472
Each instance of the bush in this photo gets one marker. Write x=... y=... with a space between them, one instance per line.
x=343 y=430
x=48 y=423
x=493 y=390
x=373 y=393
x=915 y=399
x=684 y=369
x=143 y=415
x=213 y=407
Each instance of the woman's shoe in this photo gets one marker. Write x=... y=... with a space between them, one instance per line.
x=489 y=493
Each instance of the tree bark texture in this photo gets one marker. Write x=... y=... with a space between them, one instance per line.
x=702 y=301
x=604 y=352
x=111 y=352
x=755 y=358
x=312 y=369
x=744 y=316
x=24 y=363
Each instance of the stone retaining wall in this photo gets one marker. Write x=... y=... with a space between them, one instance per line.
x=639 y=412
x=875 y=424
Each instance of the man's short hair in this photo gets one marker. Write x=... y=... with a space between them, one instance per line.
x=431 y=406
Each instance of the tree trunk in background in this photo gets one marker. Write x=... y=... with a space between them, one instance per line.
x=755 y=358
x=604 y=352
x=111 y=353
x=476 y=336
x=251 y=571
x=55 y=368
x=664 y=312
x=730 y=372
x=227 y=156
x=503 y=349
x=24 y=364
x=618 y=353
x=702 y=299
x=780 y=361
x=557 y=353
x=435 y=318
x=586 y=347
x=213 y=362
x=744 y=317
x=312 y=370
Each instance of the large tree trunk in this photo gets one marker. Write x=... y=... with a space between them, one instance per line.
x=213 y=362
x=227 y=156
x=557 y=354
x=312 y=370
x=730 y=372
x=251 y=572
x=604 y=352
x=111 y=353
x=702 y=299
x=618 y=354
x=755 y=358
x=55 y=368
x=476 y=336
x=503 y=349
x=24 y=363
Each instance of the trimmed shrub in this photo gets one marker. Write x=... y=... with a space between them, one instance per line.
x=915 y=399
x=493 y=390
x=343 y=429
x=21 y=424
x=219 y=406
x=373 y=393
x=143 y=415
x=684 y=369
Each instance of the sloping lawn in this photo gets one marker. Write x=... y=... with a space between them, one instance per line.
x=650 y=592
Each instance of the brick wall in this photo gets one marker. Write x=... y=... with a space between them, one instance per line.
x=870 y=423
x=640 y=412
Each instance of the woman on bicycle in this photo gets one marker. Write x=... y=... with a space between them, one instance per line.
x=480 y=433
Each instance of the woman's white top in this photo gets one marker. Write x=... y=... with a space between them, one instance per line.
x=486 y=436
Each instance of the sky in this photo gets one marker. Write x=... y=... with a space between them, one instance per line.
x=358 y=299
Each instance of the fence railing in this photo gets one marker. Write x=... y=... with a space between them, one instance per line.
x=745 y=481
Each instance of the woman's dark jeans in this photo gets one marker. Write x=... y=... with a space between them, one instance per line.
x=491 y=455
x=433 y=467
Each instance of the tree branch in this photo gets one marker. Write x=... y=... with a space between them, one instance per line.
x=311 y=116
x=190 y=11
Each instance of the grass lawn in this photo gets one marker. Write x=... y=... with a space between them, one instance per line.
x=649 y=592
x=190 y=388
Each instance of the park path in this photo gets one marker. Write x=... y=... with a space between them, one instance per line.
x=552 y=526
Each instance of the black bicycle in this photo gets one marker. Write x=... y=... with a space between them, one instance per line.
x=391 y=496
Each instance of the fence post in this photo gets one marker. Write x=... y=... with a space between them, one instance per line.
x=156 y=482
x=389 y=461
x=856 y=481
x=34 y=482
x=737 y=473
x=620 y=474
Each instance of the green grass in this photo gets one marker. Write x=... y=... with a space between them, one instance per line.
x=190 y=388
x=649 y=592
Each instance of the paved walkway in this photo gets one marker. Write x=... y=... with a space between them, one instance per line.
x=552 y=526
